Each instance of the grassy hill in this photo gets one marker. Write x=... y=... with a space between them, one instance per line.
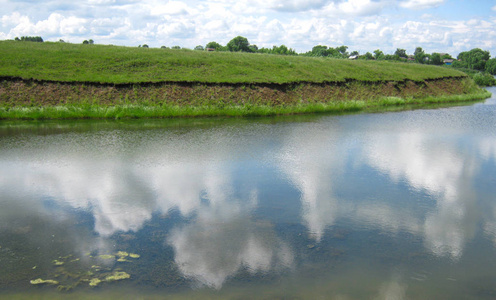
x=96 y=81
x=119 y=65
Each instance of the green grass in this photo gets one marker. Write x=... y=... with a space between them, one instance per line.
x=88 y=111
x=119 y=65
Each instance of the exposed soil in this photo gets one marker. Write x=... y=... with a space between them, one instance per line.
x=18 y=92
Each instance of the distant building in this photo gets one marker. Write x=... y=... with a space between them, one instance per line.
x=353 y=57
x=448 y=62
x=210 y=49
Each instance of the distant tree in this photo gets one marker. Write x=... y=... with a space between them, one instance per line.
x=239 y=44
x=367 y=56
x=354 y=53
x=145 y=46
x=474 y=59
x=61 y=41
x=446 y=56
x=491 y=66
x=342 y=50
x=394 y=57
x=164 y=47
x=283 y=50
x=85 y=42
x=419 y=55
x=320 y=50
x=30 y=39
x=91 y=42
x=176 y=47
x=199 y=47
x=214 y=45
x=436 y=59
x=253 y=48
x=401 y=53
x=378 y=54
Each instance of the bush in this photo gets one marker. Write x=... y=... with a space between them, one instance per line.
x=484 y=79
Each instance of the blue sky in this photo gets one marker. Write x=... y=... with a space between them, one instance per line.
x=364 y=25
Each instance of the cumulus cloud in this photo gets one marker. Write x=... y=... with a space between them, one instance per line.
x=361 y=7
x=173 y=8
x=363 y=25
x=296 y=5
x=421 y=4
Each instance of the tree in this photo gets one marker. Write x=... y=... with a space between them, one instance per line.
x=367 y=56
x=145 y=46
x=446 y=56
x=474 y=59
x=176 y=47
x=199 y=48
x=214 y=45
x=378 y=54
x=491 y=66
x=342 y=50
x=436 y=59
x=239 y=44
x=30 y=39
x=320 y=50
x=401 y=53
x=354 y=53
x=85 y=42
x=91 y=41
x=419 y=55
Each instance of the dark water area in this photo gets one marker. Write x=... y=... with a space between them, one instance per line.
x=398 y=205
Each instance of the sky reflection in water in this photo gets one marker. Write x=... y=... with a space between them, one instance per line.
x=429 y=173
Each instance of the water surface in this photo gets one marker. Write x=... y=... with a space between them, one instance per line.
x=364 y=206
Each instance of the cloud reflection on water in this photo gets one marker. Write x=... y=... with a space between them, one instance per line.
x=124 y=184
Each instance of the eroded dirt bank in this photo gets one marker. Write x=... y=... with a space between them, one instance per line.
x=18 y=92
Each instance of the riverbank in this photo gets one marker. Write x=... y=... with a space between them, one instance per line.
x=33 y=100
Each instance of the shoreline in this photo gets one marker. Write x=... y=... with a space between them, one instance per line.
x=37 y=99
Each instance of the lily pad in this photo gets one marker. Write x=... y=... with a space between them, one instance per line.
x=95 y=282
x=42 y=281
x=117 y=276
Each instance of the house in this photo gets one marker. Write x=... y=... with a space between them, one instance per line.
x=448 y=62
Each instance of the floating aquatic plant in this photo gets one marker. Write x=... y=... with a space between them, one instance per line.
x=42 y=281
x=117 y=275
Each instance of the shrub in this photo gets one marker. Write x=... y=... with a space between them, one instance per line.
x=484 y=79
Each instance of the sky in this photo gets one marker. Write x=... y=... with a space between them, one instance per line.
x=447 y=26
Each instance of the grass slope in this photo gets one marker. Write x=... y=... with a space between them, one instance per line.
x=118 y=65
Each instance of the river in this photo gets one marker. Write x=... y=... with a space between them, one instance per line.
x=396 y=205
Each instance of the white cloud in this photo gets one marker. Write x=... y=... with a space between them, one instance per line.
x=361 y=7
x=173 y=8
x=296 y=5
x=421 y=4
